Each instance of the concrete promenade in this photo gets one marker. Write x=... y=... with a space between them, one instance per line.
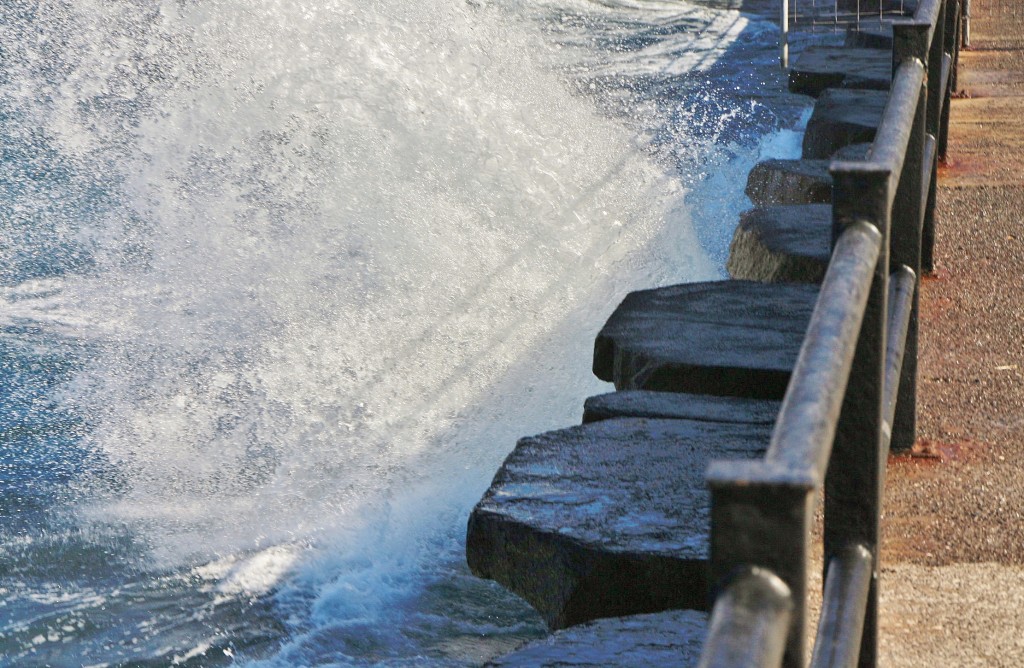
x=953 y=560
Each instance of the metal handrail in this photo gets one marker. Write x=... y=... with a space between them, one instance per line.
x=802 y=439
x=889 y=149
x=854 y=384
x=842 y=609
x=902 y=286
x=749 y=622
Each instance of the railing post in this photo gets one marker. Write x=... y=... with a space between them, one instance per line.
x=951 y=47
x=761 y=518
x=749 y=622
x=908 y=220
x=967 y=23
x=905 y=250
x=855 y=479
x=784 y=34
x=954 y=24
x=933 y=62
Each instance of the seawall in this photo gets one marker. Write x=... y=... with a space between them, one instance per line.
x=613 y=520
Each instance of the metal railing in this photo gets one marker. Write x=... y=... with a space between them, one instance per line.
x=832 y=16
x=852 y=395
x=841 y=15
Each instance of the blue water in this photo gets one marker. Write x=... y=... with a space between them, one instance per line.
x=282 y=284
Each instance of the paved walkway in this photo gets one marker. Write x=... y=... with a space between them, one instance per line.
x=953 y=558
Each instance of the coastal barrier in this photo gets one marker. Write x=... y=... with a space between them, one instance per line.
x=693 y=487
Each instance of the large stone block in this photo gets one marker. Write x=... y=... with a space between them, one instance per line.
x=820 y=67
x=789 y=182
x=779 y=181
x=732 y=338
x=679 y=406
x=782 y=243
x=673 y=638
x=606 y=519
x=842 y=117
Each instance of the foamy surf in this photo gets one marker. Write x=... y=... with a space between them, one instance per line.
x=319 y=268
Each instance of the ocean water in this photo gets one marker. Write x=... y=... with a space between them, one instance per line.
x=282 y=282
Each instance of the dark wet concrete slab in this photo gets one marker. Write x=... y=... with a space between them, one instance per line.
x=734 y=338
x=782 y=244
x=842 y=117
x=821 y=67
x=608 y=518
x=671 y=638
x=679 y=406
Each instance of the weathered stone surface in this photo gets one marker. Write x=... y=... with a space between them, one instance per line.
x=679 y=406
x=842 y=117
x=605 y=519
x=782 y=243
x=820 y=67
x=789 y=182
x=796 y=181
x=673 y=638
x=734 y=338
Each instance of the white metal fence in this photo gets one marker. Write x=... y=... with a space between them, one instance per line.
x=837 y=15
x=834 y=14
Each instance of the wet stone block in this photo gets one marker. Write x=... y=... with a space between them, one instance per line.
x=731 y=338
x=789 y=182
x=606 y=519
x=821 y=67
x=673 y=638
x=842 y=117
x=796 y=181
x=679 y=406
x=782 y=243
